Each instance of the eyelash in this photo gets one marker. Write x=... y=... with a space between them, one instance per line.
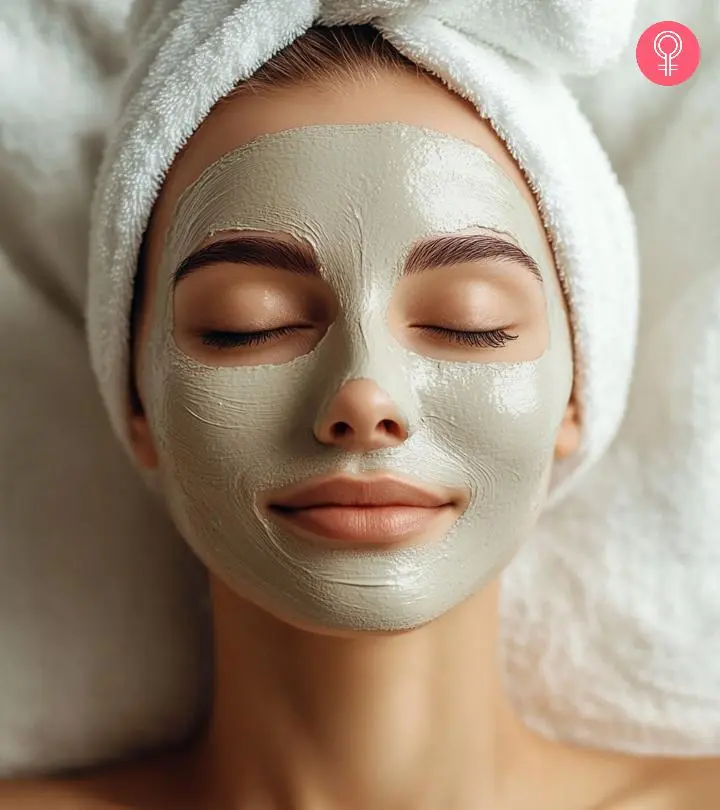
x=492 y=339
x=234 y=340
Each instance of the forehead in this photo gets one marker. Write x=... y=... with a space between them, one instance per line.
x=400 y=98
x=379 y=187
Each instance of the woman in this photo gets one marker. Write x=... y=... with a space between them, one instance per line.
x=352 y=375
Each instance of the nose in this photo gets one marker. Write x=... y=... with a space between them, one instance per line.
x=360 y=418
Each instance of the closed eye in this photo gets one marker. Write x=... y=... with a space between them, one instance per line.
x=235 y=340
x=490 y=339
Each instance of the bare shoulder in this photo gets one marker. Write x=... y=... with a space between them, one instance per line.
x=158 y=784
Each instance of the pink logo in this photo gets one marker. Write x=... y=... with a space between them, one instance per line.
x=668 y=53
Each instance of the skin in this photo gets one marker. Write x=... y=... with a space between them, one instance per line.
x=409 y=721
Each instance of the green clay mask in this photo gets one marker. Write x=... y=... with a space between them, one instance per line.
x=361 y=196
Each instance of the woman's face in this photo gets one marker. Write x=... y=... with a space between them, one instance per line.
x=353 y=354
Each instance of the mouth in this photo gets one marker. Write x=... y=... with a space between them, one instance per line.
x=378 y=510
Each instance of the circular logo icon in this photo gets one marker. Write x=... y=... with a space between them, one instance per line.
x=668 y=53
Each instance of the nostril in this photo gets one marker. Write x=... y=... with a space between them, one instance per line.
x=341 y=429
x=391 y=427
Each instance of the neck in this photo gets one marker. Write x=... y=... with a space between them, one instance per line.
x=414 y=720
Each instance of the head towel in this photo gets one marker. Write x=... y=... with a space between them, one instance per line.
x=506 y=58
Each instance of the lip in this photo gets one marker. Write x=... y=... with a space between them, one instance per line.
x=376 y=510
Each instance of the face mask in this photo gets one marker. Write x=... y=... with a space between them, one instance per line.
x=361 y=196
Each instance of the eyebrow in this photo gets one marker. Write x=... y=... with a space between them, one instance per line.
x=445 y=251
x=299 y=257
x=266 y=251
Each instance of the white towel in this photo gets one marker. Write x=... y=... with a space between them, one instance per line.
x=616 y=601
x=100 y=604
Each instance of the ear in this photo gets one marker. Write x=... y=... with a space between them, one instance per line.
x=141 y=439
x=568 y=438
x=142 y=442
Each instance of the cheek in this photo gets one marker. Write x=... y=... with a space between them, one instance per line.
x=500 y=421
x=224 y=422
